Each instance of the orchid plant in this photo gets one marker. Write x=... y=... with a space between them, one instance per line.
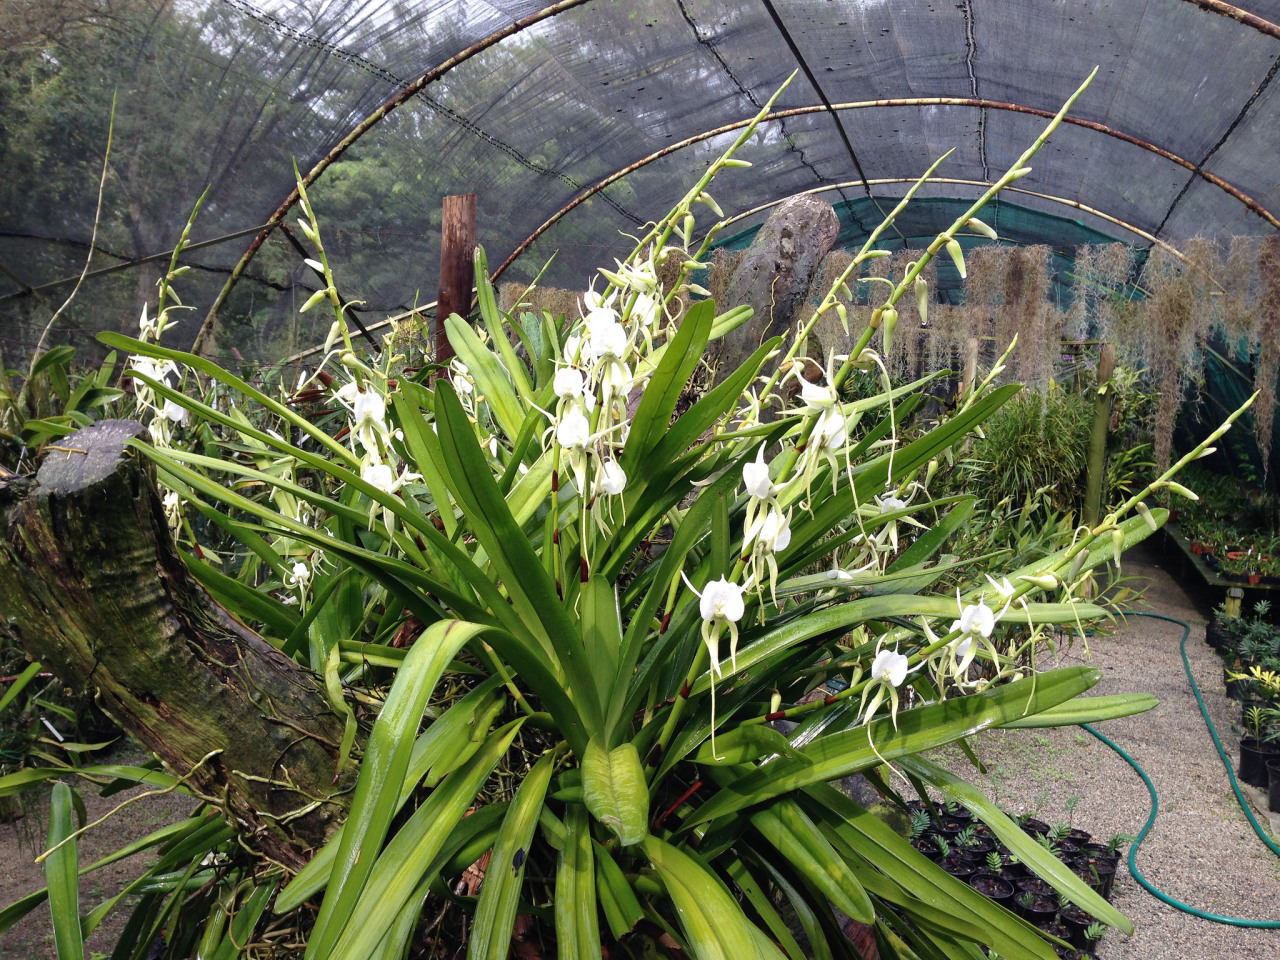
x=517 y=508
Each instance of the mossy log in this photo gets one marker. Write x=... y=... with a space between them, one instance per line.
x=91 y=585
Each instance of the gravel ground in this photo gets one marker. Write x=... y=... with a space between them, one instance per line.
x=1201 y=850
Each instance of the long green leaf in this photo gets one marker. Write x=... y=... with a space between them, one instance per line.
x=668 y=380
x=1036 y=857
x=784 y=825
x=1088 y=710
x=492 y=381
x=577 y=922
x=413 y=852
x=500 y=894
x=923 y=728
x=873 y=839
x=15 y=688
x=446 y=744
x=714 y=926
x=62 y=875
x=516 y=562
x=601 y=633
x=382 y=771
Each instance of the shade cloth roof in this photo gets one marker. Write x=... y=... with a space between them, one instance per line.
x=392 y=105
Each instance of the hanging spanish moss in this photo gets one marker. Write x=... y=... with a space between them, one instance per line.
x=1268 y=326
x=1169 y=330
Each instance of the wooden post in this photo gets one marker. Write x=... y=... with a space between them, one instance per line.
x=457 y=266
x=1097 y=463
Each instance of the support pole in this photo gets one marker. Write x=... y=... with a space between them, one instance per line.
x=1097 y=464
x=457 y=266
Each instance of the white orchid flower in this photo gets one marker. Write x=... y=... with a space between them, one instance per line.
x=889 y=665
x=175 y=413
x=300 y=576
x=610 y=479
x=574 y=430
x=889 y=671
x=719 y=602
x=975 y=618
x=755 y=477
x=607 y=341
x=568 y=382
x=816 y=396
x=379 y=475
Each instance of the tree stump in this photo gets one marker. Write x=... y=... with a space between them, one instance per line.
x=91 y=585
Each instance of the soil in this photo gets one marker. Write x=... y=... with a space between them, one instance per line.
x=23 y=840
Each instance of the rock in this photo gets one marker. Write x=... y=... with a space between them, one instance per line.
x=774 y=276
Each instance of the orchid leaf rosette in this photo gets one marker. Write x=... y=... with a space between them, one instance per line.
x=574 y=552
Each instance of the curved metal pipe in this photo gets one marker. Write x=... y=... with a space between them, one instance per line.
x=435 y=73
x=1066 y=202
x=1217 y=181
x=1241 y=16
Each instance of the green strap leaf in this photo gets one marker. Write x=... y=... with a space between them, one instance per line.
x=1088 y=710
x=923 y=728
x=492 y=381
x=63 y=877
x=414 y=853
x=669 y=379
x=577 y=922
x=382 y=771
x=1036 y=857
x=513 y=557
x=500 y=894
x=622 y=911
x=714 y=926
x=784 y=825
x=602 y=633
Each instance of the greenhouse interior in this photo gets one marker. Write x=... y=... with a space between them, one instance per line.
x=639 y=479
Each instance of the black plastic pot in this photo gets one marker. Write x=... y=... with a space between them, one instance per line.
x=1077 y=921
x=1273 y=780
x=1035 y=885
x=1253 y=762
x=1036 y=910
x=995 y=888
x=1037 y=828
x=1097 y=872
x=958 y=867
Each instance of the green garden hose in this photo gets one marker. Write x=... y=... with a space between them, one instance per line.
x=1226 y=762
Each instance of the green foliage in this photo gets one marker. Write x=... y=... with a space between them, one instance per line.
x=1035 y=446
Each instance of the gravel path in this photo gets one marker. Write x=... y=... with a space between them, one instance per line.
x=1201 y=850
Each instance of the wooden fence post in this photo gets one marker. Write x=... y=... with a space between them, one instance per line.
x=457 y=266
x=1097 y=463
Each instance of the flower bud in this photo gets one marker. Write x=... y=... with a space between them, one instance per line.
x=1045 y=581
x=957 y=256
x=876 y=316
x=977 y=226
x=889 y=321
x=775 y=701
x=1146 y=515
x=731 y=162
x=314 y=299
x=922 y=299
x=930 y=471
x=1181 y=490
x=1117 y=545
x=1019 y=173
